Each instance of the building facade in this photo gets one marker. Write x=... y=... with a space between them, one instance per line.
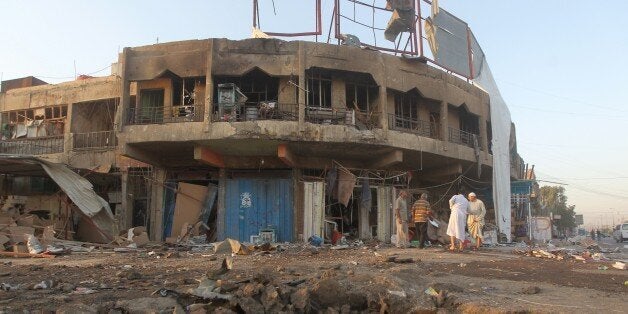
x=290 y=139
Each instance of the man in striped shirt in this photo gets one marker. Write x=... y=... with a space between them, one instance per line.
x=421 y=210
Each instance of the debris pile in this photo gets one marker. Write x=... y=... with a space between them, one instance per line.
x=590 y=252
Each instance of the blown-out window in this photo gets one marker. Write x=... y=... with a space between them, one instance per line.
x=319 y=90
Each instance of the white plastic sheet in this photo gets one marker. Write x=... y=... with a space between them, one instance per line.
x=500 y=126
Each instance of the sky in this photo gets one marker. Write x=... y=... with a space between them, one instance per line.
x=559 y=64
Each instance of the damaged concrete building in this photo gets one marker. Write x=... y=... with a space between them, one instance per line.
x=258 y=139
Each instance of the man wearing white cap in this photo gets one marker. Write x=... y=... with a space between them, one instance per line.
x=459 y=206
x=475 y=221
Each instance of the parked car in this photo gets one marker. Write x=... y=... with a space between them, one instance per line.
x=620 y=233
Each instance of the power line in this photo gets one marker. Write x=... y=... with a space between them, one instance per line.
x=582 y=114
x=562 y=97
x=72 y=77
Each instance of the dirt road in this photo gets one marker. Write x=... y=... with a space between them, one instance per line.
x=305 y=279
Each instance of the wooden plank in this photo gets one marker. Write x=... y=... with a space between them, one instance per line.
x=188 y=206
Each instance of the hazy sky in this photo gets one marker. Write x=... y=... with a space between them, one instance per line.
x=560 y=66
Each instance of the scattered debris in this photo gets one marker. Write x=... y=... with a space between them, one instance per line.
x=315 y=240
x=531 y=290
x=9 y=287
x=619 y=265
x=400 y=294
x=431 y=291
x=209 y=289
x=46 y=284
x=83 y=290
x=228 y=246
x=396 y=259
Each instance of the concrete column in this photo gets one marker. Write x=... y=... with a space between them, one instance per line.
x=126 y=216
x=297 y=205
x=302 y=85
x=483 y=134
x=67 y=134
x=383 y=96
x=383 y=106
x=125 y=95
x=209 y=86
x=221 y=208
x=444 y=122
x=444 y=112
x=157 y=203
x=338 y=93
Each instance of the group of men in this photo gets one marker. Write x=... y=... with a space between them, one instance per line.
x=464 y=213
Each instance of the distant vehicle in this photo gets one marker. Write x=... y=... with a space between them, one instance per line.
x=620 y=233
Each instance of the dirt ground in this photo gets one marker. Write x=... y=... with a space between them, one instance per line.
x=307 y=279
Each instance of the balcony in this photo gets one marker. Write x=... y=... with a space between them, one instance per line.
x=256 y=111
x=159 y=115
x=33 y=146
x=94 y=140
x=464 y=138
x=328 y=116
x=419 y=127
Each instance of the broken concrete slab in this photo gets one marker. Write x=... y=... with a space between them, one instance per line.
x=152 y=305
x=228 y=246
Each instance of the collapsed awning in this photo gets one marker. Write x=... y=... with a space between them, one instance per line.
x=78 y=189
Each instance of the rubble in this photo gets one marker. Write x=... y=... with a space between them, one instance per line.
x=531 y=290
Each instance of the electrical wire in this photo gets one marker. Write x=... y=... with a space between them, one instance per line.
x=562 y=97
x=72 y=77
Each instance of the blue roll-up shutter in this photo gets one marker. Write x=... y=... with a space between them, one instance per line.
x=254 y=204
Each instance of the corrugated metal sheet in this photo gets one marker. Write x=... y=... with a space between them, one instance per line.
x=314 y=209
x=254 y=204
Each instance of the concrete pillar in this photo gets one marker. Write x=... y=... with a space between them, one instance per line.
x=444 y=112
x=297 y=205
x=383 y=106
x=483 y=134
x=302 y=85
x=209 y=86
x=383 y=97
x=67 y=134
x=126 y=216
x=125 y=95
x=444 y=122
x=221 y=208
x=157 y=203
x=338 y=94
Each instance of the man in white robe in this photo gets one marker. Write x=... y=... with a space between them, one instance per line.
x=459 y=206
x=475 y=222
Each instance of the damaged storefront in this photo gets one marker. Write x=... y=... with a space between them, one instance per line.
x=44 y=198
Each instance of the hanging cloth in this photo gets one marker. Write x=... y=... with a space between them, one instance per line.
x=346 y=184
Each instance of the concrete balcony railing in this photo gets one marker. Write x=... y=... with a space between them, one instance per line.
x=158 y=115
x=94 y=140
x=255 y=112
x=464 y=138
x=33 y=146
x=422 y=128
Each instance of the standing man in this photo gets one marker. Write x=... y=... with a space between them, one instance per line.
x=457 y=220
x=475 y=222
x=401 y=219
x=420 y=213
